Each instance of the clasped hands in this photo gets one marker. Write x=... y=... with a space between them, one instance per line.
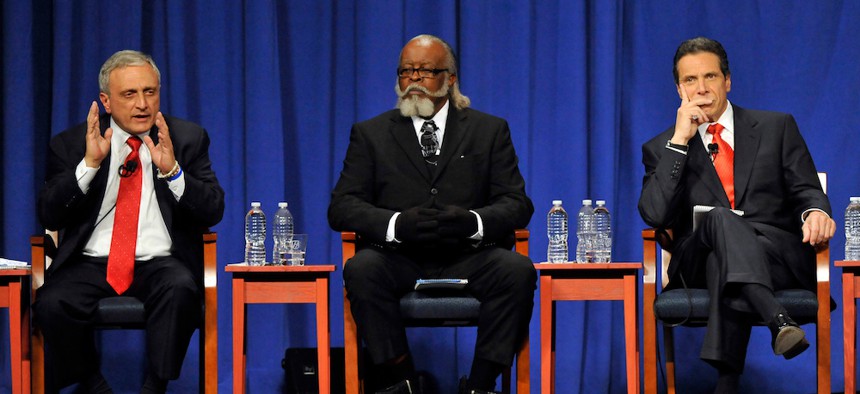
x=430 y=227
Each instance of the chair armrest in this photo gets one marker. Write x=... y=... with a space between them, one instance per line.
x=521 y=245
x=822 y=265
x=37 y=261
x=348 y=239
x=210 y=260
x=649 y=256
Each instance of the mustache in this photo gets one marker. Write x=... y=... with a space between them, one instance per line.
x=414 y=86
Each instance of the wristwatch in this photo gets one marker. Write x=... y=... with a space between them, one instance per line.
x=669 y=144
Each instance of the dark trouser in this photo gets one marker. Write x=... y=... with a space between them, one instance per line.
x=65 y=305
x=723 y=253
x=503 y=281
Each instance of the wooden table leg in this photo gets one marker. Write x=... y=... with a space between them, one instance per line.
x=631 y=337
x=239 y=350
x=14 y=289
x=323 y=336
x=849 y=316
x=26 y=354
x=546 y=339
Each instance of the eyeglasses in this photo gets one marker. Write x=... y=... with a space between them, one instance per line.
x=407 y=72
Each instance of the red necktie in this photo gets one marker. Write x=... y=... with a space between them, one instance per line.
x=724 y=162
x=120 y=266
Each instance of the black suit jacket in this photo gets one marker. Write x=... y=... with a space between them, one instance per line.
x=775 y=182
x=62 y=206
x=384 y=172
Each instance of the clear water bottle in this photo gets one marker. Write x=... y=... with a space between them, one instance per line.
x=282 y=232
x=585 y=233
x=556 y=231
x=602 y=233
x=255 y=235
x=852 y=230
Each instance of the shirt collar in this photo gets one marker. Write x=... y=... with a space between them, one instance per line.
x=727 y=119
x=120 y=136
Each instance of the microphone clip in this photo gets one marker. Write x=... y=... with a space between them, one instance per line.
x=128 y=169
x=713 y=149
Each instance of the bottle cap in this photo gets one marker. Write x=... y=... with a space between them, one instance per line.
x=586 y=202
x=601 y=202
x=556 y=202
x=282 y=204
x=255 y=204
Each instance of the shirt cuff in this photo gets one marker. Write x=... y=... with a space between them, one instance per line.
x=683 y=152
x=389 y=234
x=480 y=234
x=806 y=213
x=85 y=175
x=177 y=186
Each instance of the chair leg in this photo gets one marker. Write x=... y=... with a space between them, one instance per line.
x=37 y=365
x=523 y=373
x=354 y=385
x=669 y=346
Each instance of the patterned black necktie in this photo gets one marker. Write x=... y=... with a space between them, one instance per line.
x=429 y=142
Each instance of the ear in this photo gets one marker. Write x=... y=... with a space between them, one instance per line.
x=728 y=83
x=105 y=99
x=451 y=80
x=678 y=88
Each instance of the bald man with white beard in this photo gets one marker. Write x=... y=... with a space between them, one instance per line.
x=433 y=190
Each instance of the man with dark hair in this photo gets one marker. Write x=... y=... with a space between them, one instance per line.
x=130 y=193
x=433 y=190
x=753 y=162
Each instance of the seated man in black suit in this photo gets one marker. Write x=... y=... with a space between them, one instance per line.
x=434 y=191
x=131 y=193
x=721 y=155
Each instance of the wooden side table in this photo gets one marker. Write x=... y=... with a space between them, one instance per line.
x=850 y=293
x=588 y=282
x=11 y=284
x=281 y=285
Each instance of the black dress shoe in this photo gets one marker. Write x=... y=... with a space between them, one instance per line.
x=402 y=387
x=787 y=338
x=463 y=390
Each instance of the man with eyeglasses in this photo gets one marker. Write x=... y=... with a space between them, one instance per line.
x=433 y=190
x=720 y=155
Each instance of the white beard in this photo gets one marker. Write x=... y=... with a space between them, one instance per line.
x=418 y=106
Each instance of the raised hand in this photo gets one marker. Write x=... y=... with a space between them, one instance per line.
x=690 y=116
x=98 y=146
x=162 y=154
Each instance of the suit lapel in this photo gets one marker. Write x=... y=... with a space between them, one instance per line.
x=747 y=139
x=404 y=133
x=455 y=131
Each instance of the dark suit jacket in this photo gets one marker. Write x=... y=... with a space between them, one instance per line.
x=62 y=206
x=384 y=173
x=775 y=182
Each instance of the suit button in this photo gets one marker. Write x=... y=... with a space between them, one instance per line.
x=433 y=191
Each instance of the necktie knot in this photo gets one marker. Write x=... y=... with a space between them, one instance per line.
x=715 y=129
x=429 y=141
x=134 y=142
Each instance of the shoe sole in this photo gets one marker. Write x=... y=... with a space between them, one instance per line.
x=790 y=342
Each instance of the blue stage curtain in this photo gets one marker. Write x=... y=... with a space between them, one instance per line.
x=278 y=83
